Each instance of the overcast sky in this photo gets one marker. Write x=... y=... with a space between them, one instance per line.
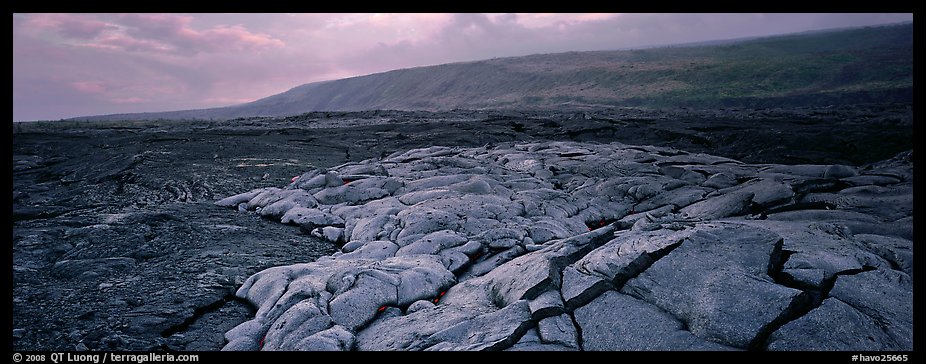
x=67 y=65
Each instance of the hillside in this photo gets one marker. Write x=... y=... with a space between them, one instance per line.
x=872 y=64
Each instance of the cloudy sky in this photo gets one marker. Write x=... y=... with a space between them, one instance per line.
x=67 y=65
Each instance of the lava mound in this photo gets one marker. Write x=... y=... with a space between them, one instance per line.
x=579 y=246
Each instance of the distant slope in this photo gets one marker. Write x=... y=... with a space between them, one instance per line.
x=872 y=64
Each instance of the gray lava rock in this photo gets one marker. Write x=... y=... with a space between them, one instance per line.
x=298 y=198
x=720 y=206
x=720 y=180
x=629 y=253
x=490 y=331
x=866 y=180
x=528 y=276
x=479 y=244
x=765 y=192
x=615 y=321
x=679 y=197
x=351 y=292
x=245 y=337
x=834 y=326
x=91 y=268
x=301 y=320
x=828 y=247
x=454 y=260
x=374 y=250
x=717 y=283
x=493 y=262
x=806 y=277
x=268 y=196
x=839 y=171
x=898 y=251
x=419 y=305
x=336 y=338
x=579 y=288
x=886 y=296
x=433 y=243
x=547 y=304
x=310 y=217
x=329 y=233
x=77 y=202
x=558 y=330
x=530 y=341
x=233 y=201
x=412 y=331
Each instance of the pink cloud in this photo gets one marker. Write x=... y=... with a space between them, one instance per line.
x=174 y=33
x=70 y=25
x=123 y=42
x=156 y=23
x=129 y=100
x=89 y=87
x=236 y=38
x=150 y=33
x=27 y=50
x=342 y=31
x=541 y=20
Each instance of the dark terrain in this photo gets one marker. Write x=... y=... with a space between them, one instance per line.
x=117 y=244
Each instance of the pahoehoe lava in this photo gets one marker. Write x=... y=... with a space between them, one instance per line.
x=451 y=248
x=518 y=230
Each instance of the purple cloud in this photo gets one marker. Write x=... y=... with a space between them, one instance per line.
x=153 y=33
x=174 y=33
x=89 y=87
x=77 y=26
